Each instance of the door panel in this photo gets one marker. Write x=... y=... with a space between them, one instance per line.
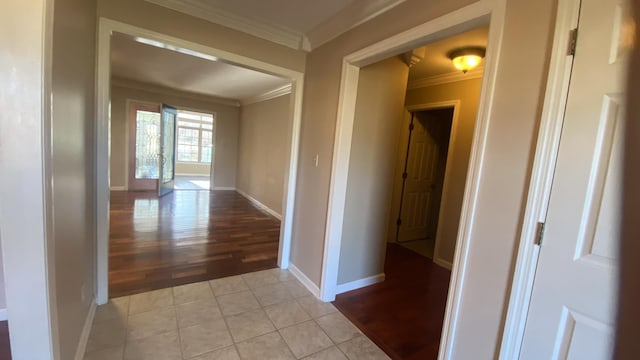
x=426 y=162
x=167 y=174
x=572 y=308
x=421 y=169
x=144 y=146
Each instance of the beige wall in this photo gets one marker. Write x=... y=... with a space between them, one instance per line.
x=74 y=44
x=263 y=150
x=322 y=86
x=376 y=131
x=193 y=169
x=468 y=93
x=224 y=162
x=166 y=21
x=506 y=166
x=3 y=298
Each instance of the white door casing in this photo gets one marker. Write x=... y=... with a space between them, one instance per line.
x=573 y=301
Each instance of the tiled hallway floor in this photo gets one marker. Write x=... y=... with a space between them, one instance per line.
x=262 y=315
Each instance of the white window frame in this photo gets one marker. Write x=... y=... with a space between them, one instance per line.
x=200 y=131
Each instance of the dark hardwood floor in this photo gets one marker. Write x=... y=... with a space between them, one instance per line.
x=186 y=236
x=403 y=315
x=5 y=349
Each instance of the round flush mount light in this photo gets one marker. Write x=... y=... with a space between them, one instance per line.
x=466 y=58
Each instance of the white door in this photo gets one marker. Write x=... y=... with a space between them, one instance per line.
x=572 y=310
x=418 y=192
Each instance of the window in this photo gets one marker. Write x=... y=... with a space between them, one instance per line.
x=195 y=137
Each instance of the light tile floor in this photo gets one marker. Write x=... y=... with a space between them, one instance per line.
x=262 y=315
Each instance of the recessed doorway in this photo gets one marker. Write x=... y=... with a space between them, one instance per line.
x=181 y=235
x=422 y=186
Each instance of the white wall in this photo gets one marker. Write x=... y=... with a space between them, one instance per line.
x=184 y=168
x=376 y=132
x=226 y=118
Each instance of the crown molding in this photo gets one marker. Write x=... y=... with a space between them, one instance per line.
x=356 y=13
x=284 y=90
x=445 y=78
x=158 y=89
x=264 y=30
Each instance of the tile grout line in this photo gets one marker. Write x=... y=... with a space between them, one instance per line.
x=224 y=319
x=175 y=312
x=290 y=298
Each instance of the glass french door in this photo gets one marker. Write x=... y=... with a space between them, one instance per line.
x=167 y=173
x=144 y=145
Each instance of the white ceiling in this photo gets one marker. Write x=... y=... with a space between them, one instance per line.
x=298 y=15
x=435 y=60
x=140 y=62
x=299 y=24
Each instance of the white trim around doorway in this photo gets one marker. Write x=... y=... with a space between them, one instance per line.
x=542 y=172
x=466 y=18
x=103 y=76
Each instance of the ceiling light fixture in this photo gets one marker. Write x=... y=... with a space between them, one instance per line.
x=467 y=58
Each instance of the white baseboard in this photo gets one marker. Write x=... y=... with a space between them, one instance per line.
x=86 y=330
x=3 y=315
x=315 y=290
x=357 y=284
x=444 y=263
x=224 y=188
x=260 y=205
x=118 y=188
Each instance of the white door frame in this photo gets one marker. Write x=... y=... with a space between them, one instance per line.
x=542 y=173
x=106 y=28
x=466 y=18
x=455 y=104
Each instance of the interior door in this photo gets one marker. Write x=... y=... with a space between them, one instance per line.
x=422 y=161
x=571 y=315
x=144 y=146
x=167 y=175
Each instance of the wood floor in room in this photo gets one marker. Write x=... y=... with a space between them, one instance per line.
x=403 y=315
x=184 y=237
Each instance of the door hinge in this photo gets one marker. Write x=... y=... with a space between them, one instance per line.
x=573 y=41
x=539 y=234
x=411 y=127
x=399 y=222
x=405 y=175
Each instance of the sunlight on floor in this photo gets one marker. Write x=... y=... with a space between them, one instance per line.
x=192 y=183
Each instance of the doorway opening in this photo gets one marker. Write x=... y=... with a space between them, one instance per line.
x=371 y=149
x=421 y=190
x=206 y=140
